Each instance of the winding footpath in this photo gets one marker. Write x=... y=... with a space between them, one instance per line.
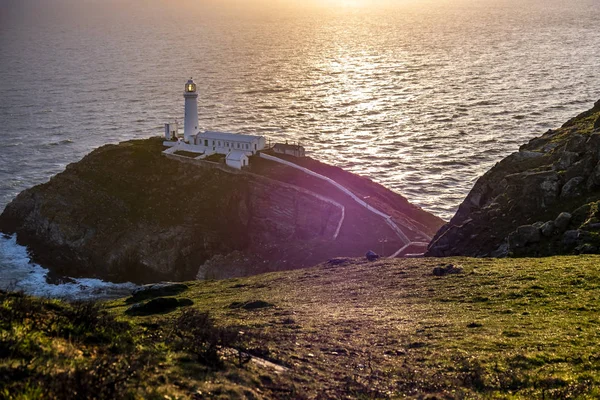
x=387 y=218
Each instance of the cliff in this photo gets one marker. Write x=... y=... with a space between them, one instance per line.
x=126 y=212
x=542 y=200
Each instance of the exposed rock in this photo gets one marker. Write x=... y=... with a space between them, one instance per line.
x=587 y=248
x=576 y=143
x=566 y=159
x=594 y=178
x=524 y=235
x=556 y=174
x=572 y=188
x=547 y=228
x=501 y=251
x=447 y=269
x=53 y=278
x=156 y=290
x=127 y=213
x=570 y=237
x=159 y=305
x=371 y=255
x=562 y=221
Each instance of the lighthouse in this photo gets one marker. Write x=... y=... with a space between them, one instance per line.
x=190 y=126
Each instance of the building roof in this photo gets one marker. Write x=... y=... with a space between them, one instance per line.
x=236 y=155
x=234 y=137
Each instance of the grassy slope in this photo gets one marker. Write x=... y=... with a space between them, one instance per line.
x=511 y=328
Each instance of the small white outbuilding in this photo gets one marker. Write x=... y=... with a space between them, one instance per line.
x=237 y=159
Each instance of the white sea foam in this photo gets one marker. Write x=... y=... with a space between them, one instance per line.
x=18 y=272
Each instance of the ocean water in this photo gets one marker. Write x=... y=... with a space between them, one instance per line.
x=421 y=96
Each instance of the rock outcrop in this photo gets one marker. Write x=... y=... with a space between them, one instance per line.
x=541 y=200
x=126 y=212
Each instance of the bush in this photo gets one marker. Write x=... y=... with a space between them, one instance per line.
x=34 y=368
x=107 y=377
x=196 y=333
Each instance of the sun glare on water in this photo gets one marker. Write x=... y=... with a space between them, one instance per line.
x=349 y=3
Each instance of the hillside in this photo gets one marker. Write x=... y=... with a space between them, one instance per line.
x=126 y=212
x=501 y=328
x=542 y=200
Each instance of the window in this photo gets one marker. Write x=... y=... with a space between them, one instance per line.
x=246 y=146
x=219 y=143
x=213 y=142
x=206 y=142
x=238 y=145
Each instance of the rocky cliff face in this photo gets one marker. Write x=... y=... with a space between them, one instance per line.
x=125 y=212
x=541 y=200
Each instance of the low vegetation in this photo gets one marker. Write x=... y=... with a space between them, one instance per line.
x=509 y=328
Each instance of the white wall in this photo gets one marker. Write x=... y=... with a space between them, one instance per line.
x=225 y=146
x=237 y=163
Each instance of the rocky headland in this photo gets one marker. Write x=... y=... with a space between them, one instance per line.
x=126 y=212
x=542 y=200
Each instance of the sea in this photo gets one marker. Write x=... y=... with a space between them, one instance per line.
x=422 y=96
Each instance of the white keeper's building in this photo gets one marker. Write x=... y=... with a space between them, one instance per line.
x=224 y=143
x=236 y=147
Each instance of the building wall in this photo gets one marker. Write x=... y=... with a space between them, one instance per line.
x=225 y=146
x=238 y=164
x=296 y=152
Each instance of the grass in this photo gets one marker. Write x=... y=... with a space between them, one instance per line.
x=509 y=328
x=188 y=154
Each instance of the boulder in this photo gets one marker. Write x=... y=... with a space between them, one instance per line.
x=524 y=235
x=570 y=238
x=593 y=226
x=576 y=143
x=547 y=229
x=587 y=248
x=160 y=305
x=549 y=188
x=446 y=270
x=156 y=290
x=594 y=178
x=572 y=188
x=371 y=255
x=501 y=251
x=566 y=159
x=562 y=221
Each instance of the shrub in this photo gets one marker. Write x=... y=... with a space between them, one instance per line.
x=107 y=377
x=196 y=333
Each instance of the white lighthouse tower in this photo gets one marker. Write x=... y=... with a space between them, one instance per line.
x=190 y=126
